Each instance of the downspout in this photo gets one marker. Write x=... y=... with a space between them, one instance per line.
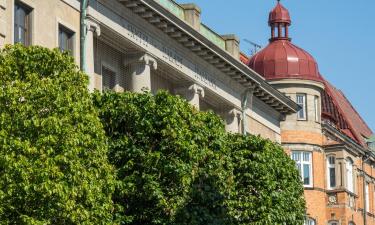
x=83 y=34
x=245 y=98
x=364 y=190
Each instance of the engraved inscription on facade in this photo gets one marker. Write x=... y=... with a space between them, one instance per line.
x=172 y=56
x=204 y=77
x=137 y=35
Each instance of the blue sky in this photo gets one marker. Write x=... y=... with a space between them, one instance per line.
x=339 y=34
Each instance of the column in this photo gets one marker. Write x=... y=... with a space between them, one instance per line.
x=92 y=29
x=3 y=24
x=247 y=102
x=232 y=121
x=192 y=94
x=140 y=65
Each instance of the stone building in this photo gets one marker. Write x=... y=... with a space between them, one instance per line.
x=139 y=45
x=328 y=139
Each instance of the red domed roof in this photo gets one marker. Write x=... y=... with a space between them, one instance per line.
x=279 y=14
x=281 y=59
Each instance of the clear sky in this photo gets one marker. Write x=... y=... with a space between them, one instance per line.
x=339 y=34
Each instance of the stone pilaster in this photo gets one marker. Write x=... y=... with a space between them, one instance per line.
x=3 y=24
x=92 y=29
x=233 y=121
x=192 y=94
x=140 y=65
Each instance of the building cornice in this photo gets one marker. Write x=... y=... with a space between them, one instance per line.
x=192 y=39
x=346 y=142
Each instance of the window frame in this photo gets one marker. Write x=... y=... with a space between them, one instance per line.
x=303 y=106
x=309 y=221
x=333 y=222
x=329 y=167
x=367 y=196
x=302 y=163
x=70 y=38
x=317 y=109
x=108 y=67
x=349 y=174
x=27 y=26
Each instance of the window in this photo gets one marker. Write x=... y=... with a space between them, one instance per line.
x=349 y=175
x=310 y=221
x=66 y=38
x=331 y=172
x=351 y=223
x=301 y=101
x=367 y=198
x=317 y=109
x=108 y=79
x=304 y=165
x=22 y=24
x=333 y=223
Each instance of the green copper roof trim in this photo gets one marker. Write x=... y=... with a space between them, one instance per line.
x=371 y=139
x=178 y=11
x=212 y=36
x=173 y=7
x=371 y=143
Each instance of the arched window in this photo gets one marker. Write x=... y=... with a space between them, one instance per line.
x=333 y=223
x=310 y=221
x=331 y=172
x=349 y=175
x=351 y=223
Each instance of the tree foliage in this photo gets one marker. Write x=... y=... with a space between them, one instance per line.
x=53 y=164
x=176 y=165
x=268 y=188
x=157 y=143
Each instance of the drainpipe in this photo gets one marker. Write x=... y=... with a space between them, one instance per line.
x=245 y=98
x=84 y=4
x=364 y=190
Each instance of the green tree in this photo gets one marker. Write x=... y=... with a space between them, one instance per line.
x=155 y=145
x=176 y=165
x=53 y=154
x=268 y=188
x=214 y=184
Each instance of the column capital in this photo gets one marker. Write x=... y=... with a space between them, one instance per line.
x=93 y=27
x=196 y=89
x=235 y=113
x=141 y=58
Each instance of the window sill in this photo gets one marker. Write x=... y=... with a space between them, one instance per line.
x=341 y=189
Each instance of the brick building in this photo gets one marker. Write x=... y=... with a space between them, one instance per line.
x=327 y=138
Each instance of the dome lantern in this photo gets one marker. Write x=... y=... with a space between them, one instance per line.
x=279 y=21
